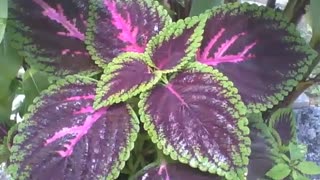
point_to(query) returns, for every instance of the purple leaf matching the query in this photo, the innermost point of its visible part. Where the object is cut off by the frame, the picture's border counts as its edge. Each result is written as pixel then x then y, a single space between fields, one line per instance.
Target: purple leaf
pixel 174 172
pixel 198 118
pixel 118 26
pixel 126 76
pixel 260 159
pixel 50 34
pixel 283 124
pixel 176 44
pixel 63 137
pixel 258 50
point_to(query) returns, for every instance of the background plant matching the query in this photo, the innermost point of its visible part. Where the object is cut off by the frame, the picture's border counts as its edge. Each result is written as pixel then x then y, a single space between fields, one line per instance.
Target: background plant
pixel 175 77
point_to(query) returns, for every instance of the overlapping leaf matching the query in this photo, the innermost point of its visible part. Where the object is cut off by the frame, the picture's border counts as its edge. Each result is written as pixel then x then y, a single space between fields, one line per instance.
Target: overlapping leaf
pixel 50 34
pixel 198 118
pixel 265 151
pixel 63 137
pixel 283 125
pixel 258 50
pixel 118 26
pixel 127 76
pixel 174 171
pixel 176 44
pixel 260 159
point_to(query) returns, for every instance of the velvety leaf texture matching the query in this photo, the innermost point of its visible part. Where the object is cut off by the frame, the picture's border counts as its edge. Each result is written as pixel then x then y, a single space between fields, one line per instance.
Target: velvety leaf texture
pixel 176 44
pixel 258 50
pixel 260 159
pixel 175 172
pixel 264 147
pixel 199 119
pixel 118 26
pixel 63 137
pixel 50 35
pixel 283 123
pixel 125 77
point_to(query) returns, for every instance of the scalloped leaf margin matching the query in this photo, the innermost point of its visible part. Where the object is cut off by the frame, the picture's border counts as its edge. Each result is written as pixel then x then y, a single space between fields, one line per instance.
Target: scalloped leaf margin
pixel 248 43
pixel 282 124
pixel 176 44
pixel 117 26
pixel 62 132
pixel 50 35
pixel 125 77
pixel 160 133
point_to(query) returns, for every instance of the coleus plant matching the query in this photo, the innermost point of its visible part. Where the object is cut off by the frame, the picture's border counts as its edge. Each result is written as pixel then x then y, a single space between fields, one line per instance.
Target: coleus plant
pixel 190 84
pixel 275 147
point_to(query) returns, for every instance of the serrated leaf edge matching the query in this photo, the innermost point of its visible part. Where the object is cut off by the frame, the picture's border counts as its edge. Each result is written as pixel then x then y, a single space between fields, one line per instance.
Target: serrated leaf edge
pixel 293 77
pixel 18 154
pixel 104 84
pixel 153 6
pixel 204 165
pixel 174 30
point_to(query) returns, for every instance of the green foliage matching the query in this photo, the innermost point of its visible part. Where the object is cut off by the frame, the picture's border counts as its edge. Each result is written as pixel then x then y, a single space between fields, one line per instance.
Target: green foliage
pixel 279 171
pixel 297 151
pixel 3 17
pixel 288 155
pixel 202 5
pixel 32 84
pixel 10 64
pixel 289 158
pixel 294 166
pixel 307 167
pixel 4 151
pixel 314 20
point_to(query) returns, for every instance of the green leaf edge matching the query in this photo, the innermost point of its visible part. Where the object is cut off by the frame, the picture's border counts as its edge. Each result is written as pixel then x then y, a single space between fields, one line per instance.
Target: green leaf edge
pixel 293 77
pixel 304 167
pixel 256 121
pixel 152 5
pixel 275 118
pixel 125 153
pixel 20 42
pixel 18 155
pixel 204 164
pixel 109 74
pixel 174 30
pixel 288 172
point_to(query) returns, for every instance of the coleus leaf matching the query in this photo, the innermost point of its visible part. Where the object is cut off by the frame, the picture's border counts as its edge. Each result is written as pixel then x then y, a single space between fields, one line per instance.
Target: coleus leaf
pixel 63 137
pixel 260 159
pixel 272 150
pixel 126 76
pixel 174 172
pixel 176 44
pixel 198 118
pixel 258 50
pixel 117 26
pixel 258 125
pixel 50 35
pixel 283 125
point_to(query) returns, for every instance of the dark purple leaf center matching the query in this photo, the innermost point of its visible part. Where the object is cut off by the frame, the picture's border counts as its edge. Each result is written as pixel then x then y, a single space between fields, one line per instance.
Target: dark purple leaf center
pixel 176 94
pixel 77 131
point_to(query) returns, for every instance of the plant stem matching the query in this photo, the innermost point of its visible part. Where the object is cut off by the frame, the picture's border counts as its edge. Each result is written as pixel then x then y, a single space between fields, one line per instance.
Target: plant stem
pixel 271 3
pixel 295 9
